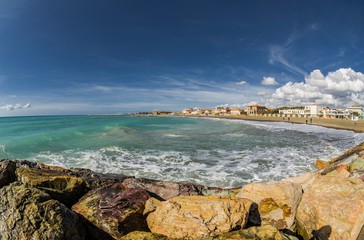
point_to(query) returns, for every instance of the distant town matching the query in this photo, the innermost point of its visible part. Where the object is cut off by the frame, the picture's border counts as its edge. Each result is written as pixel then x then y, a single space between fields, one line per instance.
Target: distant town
pixel 354 112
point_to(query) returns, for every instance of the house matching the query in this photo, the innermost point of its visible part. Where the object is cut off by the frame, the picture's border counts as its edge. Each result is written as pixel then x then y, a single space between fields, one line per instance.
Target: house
pixel 236 111
pixel 337 113
pixel 290 112
pixel 187 111
pixel 312 110
pixel 256 109
pixel 356 108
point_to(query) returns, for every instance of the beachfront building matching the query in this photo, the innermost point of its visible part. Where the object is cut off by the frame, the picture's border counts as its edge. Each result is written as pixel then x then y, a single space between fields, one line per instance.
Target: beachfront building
pixel 256 109
pixel 237 111
pixel 337 113
pixel 187 111
pixel 292 112
pixel 356 108
pixel 312 110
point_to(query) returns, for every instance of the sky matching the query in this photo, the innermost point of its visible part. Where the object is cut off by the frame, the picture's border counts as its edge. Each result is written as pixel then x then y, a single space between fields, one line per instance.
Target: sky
pixel 123 56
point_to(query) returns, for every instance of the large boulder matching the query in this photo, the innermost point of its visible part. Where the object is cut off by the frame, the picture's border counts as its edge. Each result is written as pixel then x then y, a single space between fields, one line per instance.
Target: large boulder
pixel 96 180
pixel 196 216
pixel 7 172
pixel 139 235
pixel 253 233
pixel 114 209
pixel 277 201
pixel 28 213
pixel 62 187
pixel 164 190
pixel 332 206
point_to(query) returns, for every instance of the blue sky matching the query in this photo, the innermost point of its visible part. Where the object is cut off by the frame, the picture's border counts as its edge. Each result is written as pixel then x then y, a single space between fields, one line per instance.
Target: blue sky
pixel 85 57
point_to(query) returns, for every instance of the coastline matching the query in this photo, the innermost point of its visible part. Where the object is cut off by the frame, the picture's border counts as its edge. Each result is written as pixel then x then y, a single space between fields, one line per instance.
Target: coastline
pixel 340 124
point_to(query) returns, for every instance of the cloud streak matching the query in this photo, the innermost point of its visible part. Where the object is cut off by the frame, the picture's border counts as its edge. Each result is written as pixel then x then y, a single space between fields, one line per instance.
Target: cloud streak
pixel 12 107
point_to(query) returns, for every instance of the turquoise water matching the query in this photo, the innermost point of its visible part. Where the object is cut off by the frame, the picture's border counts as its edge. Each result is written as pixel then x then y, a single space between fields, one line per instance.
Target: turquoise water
pixel 215 152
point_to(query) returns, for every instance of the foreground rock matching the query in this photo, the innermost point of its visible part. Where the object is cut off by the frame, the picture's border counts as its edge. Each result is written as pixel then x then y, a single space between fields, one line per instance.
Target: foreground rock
pixel 266 232
pixel 62 187
pixel 114 209
pixel 196 216
pixel 7 172
pixel 277 201
pixel 333 207
pixel 28 213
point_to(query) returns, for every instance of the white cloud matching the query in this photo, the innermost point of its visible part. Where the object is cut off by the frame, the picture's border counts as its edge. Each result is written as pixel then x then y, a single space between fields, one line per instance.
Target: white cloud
pixel 11 107
pixel 269 81
pixel 242 83
pixel 339 88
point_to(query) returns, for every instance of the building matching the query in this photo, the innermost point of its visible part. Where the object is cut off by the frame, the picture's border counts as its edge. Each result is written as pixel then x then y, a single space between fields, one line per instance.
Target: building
pixel 299 112
pixel 187 111
pixel 256 109
pixel 236 111
pixel 356 108
pixel 337 113
pixel 312 110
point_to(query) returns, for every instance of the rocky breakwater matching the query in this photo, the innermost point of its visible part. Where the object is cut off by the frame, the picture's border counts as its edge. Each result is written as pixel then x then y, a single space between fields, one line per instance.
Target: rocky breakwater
pixel 38 201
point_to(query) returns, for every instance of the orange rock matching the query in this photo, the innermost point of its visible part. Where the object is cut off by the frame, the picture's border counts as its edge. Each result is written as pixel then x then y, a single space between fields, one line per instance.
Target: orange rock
pixel 321 164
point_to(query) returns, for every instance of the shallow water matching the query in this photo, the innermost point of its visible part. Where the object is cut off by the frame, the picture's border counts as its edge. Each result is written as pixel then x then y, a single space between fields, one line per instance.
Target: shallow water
pixel 215 152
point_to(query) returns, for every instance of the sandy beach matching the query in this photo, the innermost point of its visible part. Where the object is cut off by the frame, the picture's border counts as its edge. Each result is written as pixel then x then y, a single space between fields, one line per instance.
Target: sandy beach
pixel 356 126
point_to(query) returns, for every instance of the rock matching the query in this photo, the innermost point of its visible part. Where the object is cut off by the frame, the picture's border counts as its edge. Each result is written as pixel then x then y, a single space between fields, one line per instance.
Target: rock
pixel 196 216
pixel 64 188
pixel 305 179
pixel 53 168
pixel 7 172
pixel 28 213
pixel 357 165
pixel 264 232
pixel 332 203
pixel 164 190
pixel 138 235
pixel 96 180
pixel 277 201
pixel 114 209
pixel 321 164
pixel 341 171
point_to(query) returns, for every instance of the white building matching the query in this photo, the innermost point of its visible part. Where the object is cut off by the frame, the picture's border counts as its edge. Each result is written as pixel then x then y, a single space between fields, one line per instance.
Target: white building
pixel 337 113
pixel 356 108
pixel 292 111
pixel 312 110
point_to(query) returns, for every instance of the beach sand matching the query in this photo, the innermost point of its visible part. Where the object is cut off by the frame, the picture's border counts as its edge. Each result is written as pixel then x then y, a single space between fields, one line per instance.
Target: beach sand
pixel 356 126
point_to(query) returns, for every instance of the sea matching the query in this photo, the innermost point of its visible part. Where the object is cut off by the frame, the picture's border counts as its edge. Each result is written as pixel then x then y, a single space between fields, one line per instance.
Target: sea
pixel 213 152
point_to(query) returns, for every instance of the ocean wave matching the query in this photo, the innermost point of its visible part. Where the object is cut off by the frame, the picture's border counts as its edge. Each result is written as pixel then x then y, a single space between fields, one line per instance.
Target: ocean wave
pixel 217 167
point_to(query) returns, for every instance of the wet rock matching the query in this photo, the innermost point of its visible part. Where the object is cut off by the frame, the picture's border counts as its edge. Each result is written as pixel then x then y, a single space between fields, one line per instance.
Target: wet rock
pixel 62 187
pixel 25 164
pixel 114 209
pixel 196 216
pixel 53 168
pixel 96 180
pixel 28 213
pixel 277 201
pixel 334 202
pixel 7 172
pixel 163 190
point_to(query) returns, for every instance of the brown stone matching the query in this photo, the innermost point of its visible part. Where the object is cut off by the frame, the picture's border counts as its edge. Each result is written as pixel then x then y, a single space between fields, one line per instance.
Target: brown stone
pixel 321 164
pixel 332 204
pixel 62 187
pixel 277 201
pixel 114 209
pixel 164 190
pixel 7 172
pixel 196 216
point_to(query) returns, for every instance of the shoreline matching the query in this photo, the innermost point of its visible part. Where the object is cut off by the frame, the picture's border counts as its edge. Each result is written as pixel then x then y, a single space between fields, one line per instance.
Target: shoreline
pixel 339 124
